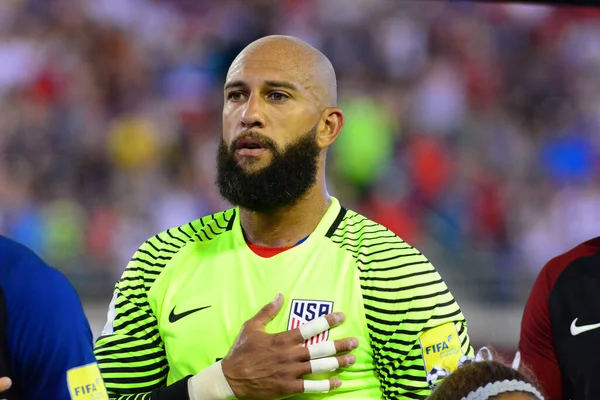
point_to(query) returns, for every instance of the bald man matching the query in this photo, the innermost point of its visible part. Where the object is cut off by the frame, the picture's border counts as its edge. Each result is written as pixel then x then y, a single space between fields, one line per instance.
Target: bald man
pixel 288 294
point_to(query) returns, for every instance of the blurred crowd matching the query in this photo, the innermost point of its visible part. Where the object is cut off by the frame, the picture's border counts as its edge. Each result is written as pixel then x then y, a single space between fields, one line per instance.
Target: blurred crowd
pixel 472 130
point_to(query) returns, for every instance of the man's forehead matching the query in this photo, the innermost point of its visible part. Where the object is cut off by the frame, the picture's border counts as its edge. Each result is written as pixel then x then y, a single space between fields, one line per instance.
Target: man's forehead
pixel 261 70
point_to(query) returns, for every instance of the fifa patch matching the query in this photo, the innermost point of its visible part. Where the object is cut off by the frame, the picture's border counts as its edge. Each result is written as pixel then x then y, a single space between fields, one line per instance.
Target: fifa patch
pixel 303 311
pixel 85 383
pixel 441 348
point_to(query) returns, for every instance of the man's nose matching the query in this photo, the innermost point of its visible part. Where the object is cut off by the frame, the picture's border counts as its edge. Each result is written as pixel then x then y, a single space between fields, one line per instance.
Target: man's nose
pixel 252 115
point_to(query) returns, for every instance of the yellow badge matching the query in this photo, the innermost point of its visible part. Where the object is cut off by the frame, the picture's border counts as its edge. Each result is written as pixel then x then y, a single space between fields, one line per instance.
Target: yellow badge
pixel 85 383
pixel 441 347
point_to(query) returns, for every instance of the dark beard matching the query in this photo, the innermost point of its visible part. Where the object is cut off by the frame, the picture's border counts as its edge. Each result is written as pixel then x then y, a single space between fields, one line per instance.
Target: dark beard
pixel 278 185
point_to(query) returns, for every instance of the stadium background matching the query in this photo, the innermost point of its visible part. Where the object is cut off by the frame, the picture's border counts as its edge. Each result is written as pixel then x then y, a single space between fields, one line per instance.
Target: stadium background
pixel 472 130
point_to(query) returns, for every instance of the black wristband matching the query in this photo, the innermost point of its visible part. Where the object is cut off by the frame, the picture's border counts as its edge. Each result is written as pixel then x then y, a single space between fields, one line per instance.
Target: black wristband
pixel 176 391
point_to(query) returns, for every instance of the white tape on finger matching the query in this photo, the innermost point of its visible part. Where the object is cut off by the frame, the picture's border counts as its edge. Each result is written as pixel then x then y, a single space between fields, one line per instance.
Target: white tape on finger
pixel 314 327
pixel 324 365
pixel 323 349
pixel 316 386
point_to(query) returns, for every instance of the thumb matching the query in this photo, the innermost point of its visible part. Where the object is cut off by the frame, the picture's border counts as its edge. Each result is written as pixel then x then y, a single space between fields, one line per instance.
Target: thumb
pixel 268 312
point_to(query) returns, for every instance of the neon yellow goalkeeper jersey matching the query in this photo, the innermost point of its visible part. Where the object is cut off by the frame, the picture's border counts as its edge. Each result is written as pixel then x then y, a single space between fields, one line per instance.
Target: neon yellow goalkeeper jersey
pixel 186 293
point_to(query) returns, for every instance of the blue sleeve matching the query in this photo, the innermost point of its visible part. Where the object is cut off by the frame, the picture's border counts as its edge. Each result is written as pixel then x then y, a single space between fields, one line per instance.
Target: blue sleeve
pixel 48 333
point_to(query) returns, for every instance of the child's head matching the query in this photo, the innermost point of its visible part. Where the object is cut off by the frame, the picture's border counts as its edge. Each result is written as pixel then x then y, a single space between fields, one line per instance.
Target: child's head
pixel 486 379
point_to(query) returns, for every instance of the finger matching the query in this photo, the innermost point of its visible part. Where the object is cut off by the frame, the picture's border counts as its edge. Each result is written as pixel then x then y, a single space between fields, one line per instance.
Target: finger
pixel 268 312
pixel 330 347
pixel 325 364
pixel 5 384
pixel 312 328
pixel 322 386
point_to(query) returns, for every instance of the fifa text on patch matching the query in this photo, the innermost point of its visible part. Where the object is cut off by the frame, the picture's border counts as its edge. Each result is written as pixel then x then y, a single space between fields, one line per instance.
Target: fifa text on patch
pixel 441 347
pixel 303 311
pixel 85 383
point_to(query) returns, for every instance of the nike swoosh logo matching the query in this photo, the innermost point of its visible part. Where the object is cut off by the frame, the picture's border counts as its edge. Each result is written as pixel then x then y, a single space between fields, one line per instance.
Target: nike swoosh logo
pixel 176 317
pixel 577 330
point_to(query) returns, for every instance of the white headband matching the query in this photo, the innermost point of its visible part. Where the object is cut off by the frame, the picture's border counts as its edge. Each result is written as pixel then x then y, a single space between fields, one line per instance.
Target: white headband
pixel 493 388
pixel 505 386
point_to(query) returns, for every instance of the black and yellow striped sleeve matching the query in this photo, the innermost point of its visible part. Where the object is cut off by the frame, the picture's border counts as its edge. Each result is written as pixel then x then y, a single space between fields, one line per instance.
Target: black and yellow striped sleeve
pixel 404 297
pixel 130 352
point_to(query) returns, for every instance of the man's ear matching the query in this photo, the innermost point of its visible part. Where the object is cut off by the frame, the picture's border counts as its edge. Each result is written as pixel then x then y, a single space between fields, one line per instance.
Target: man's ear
pixel 330 127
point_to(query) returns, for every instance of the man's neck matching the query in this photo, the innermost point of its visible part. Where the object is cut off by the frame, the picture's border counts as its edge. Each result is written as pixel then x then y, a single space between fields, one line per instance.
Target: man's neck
pixel 288 226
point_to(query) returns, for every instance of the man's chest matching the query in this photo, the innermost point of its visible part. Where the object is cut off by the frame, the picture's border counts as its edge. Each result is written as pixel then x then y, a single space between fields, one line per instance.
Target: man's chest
pixel 204 306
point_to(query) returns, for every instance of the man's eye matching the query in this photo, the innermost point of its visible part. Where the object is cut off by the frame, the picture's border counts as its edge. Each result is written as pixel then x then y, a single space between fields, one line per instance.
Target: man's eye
pixel 235 96
pixel 278 96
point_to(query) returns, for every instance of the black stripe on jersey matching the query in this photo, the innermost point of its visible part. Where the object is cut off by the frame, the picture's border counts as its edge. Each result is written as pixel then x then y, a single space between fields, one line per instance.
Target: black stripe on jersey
pixel 389 394
pixel 154 257
pixel 145 271
pixel 231 221
pixel 211 231
pixel 410 310
pixel 413 367
pixel 388 249
pixel 362 233
pixel 382 343
pixel 148 263
pixel 382 260
pixel 400 387
pixel 408 299
pixel 357 222
pixel 147 281
pixel 144 357
pixel 399 289
pixel 139 368
pixel 182 231
pixel 387 334
pixel 121 341
pixel 160 375
pixel 136 296
pixel 156 248
pixel 360 245
pixel 219 225
pixel 206 237
pixel 336 222
pixel 396 267
pixel 371 225
pixel 140 318
pixel 386 359
pixel 165 242
pixel 133 287
pixel 183 242
pixel 398 277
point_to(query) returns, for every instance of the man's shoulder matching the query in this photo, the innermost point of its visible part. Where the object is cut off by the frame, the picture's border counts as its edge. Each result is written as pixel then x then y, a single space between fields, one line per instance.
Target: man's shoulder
pixel 355 232
pixel 559 264
pixel 206 228
pixel 378 252
pixel 19 262
pixel 155 253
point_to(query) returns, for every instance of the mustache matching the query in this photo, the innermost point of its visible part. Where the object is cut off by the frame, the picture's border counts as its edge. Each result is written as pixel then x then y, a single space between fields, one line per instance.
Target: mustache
pixel 267 142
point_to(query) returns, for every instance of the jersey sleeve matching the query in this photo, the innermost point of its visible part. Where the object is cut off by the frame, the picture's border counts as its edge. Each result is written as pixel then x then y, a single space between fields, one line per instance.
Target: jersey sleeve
pixel 49 338
pixel 130 351
pixel 536 341
pixel 414 322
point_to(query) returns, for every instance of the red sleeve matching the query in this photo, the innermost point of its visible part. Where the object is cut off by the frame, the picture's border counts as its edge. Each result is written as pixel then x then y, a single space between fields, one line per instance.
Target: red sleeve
pixel 536 343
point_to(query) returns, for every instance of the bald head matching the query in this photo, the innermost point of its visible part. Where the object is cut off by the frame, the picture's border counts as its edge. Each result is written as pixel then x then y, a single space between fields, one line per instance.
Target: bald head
pixel 305 64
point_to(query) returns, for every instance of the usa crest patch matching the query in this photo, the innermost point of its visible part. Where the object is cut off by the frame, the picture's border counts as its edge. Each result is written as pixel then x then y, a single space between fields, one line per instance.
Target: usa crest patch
pixel 303 311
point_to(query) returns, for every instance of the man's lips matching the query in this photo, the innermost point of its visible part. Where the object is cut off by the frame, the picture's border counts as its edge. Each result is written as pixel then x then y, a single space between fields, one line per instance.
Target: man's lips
pixel 249 147
pixel 246 152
